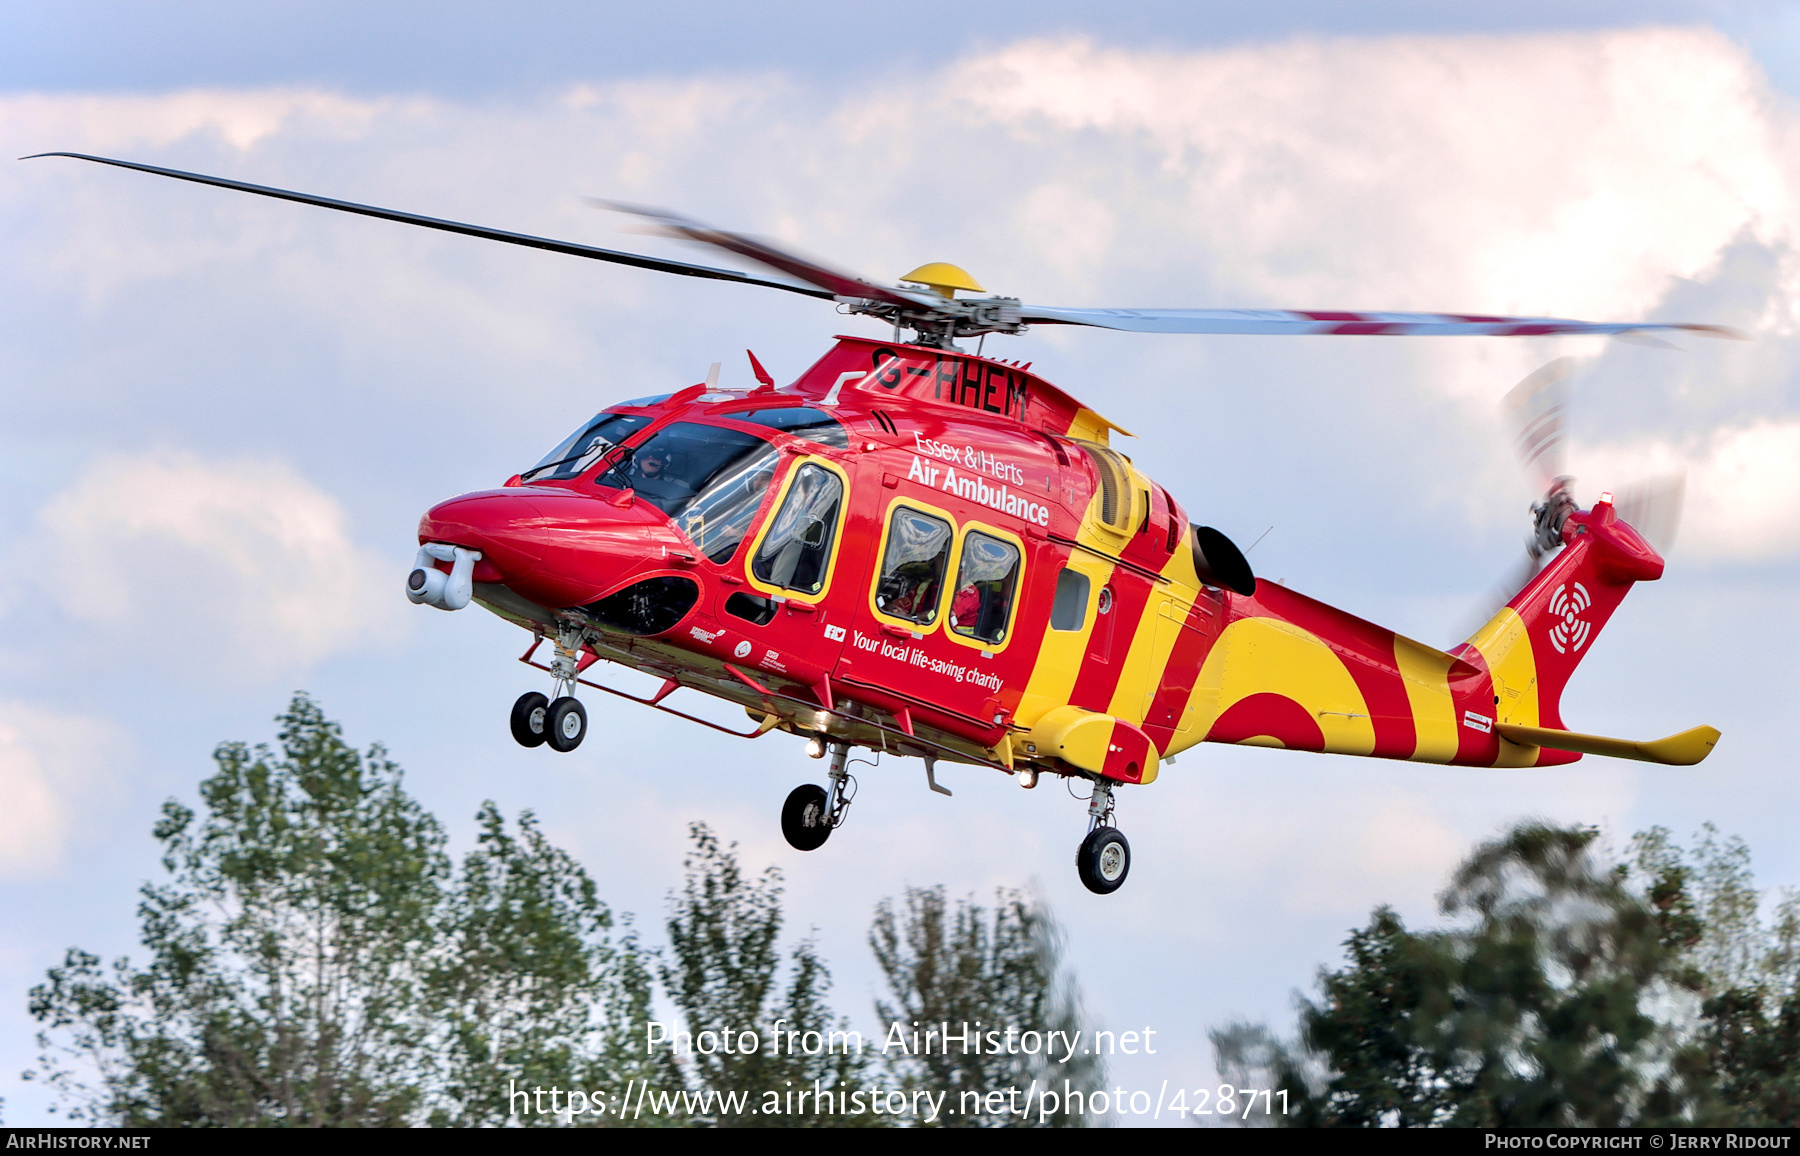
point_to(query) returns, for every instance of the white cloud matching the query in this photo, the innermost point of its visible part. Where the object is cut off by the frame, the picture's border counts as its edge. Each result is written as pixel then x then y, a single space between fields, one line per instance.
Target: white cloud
pixel 1746 492
pixel 1742 483
pixel 242 565
pixel 1594 174
pixel 238 117
pixel 1582 174
pixel 53 768
pixel 1508 174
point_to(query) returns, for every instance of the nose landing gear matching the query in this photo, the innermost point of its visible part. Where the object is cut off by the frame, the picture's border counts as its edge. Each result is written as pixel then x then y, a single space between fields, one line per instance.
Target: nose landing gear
pixel 562 722
pixel 1104 858
pixel 810 813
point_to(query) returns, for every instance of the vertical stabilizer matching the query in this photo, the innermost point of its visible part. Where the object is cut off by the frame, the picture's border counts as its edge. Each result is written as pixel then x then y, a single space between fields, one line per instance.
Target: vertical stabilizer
pixel 1534 643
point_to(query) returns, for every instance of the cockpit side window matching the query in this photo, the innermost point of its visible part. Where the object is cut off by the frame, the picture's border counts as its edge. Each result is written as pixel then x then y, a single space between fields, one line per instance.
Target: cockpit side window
pixel 795 553
pixel 720 515
pixel 802 421
pixel 582 448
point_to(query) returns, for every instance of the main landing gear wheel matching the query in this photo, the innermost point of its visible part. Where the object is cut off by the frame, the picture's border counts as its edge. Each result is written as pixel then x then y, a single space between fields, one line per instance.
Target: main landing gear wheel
pixel 1103 861
pixel 565 724
pixel 806 817
pixel 531 719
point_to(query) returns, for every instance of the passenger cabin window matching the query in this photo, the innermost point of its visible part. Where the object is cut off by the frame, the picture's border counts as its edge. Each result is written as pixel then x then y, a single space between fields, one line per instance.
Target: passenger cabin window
pixel 796 552
pixel 1069 611
pixel 912 568
pixel 583 448
pixel 802 421
pixel 982 604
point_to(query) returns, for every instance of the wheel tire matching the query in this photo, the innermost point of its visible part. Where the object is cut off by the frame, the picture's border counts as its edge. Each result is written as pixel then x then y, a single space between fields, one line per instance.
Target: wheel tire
pixel 530 719
pixel 1103 861
pixel 806 817
pixel 566 724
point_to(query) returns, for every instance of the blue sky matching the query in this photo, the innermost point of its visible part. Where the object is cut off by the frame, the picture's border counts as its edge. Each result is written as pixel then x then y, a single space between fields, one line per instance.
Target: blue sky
pixel 221 417
pixel 474 49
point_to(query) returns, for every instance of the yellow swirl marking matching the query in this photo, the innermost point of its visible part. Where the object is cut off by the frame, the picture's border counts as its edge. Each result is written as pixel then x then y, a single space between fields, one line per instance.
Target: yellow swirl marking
pixel 1258 655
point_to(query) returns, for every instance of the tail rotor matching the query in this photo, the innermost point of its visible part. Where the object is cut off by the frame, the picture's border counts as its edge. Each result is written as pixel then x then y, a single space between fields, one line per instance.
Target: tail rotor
pixel 1536 410
pixel 1536 415
pixel 1653 508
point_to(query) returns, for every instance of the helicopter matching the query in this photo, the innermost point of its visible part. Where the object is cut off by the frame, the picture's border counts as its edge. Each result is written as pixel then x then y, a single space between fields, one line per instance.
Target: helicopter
pixel 927 552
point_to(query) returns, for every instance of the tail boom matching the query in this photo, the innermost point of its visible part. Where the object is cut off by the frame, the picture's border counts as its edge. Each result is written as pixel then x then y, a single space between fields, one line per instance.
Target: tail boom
pixel 1289 671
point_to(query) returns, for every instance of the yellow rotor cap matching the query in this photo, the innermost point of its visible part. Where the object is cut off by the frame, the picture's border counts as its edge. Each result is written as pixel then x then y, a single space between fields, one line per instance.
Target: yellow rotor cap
pixel 944 279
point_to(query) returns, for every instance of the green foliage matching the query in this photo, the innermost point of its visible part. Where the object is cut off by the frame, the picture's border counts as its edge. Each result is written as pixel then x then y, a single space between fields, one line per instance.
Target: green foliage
pixel 723 934
pixel 990 971
pixel 1755 1051
pixel 1750 1028
pixel 313 960
pixel 1650 993
pixel 1535 1012
pixel 1710 894
pixel 528 990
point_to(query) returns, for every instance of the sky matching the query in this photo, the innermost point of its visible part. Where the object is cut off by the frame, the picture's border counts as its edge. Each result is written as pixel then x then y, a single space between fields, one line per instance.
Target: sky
pixel 220 416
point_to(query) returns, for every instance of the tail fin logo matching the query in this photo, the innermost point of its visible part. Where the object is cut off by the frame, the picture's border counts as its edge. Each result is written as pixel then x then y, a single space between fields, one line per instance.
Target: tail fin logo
pixel 1566 608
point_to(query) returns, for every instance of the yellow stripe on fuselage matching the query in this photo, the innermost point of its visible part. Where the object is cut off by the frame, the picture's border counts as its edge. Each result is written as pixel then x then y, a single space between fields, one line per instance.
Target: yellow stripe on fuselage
pixel 1151 643
pixel 1425 672
pixel 1063 651
pixel 1060 657
pixel 1507 651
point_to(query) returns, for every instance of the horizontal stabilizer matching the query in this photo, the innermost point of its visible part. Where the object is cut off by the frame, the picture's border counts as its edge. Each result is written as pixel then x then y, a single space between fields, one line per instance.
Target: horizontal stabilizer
pixel 1682 750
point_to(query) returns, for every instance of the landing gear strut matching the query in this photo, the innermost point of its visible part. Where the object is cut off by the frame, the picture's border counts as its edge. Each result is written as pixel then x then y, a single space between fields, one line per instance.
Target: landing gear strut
pixel 811 813
pixel 1105 857
pixel 558 719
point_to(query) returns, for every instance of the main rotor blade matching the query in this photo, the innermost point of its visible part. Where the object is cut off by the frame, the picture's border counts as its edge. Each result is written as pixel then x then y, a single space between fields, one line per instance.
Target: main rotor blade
pixel 806 269
pixel 637 260
pixel 1285 321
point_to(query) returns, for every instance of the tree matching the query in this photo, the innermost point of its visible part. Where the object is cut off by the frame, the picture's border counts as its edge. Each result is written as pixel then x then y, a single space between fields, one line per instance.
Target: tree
pixel 724 929
pixel 1710 893
pixel 528 990
pixel 313 961
pixel 964 970
pixel 1748 971
pixel 1536 1011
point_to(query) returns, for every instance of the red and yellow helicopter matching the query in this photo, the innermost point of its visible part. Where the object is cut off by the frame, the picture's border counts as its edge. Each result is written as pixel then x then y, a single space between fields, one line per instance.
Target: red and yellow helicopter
pixel 927 552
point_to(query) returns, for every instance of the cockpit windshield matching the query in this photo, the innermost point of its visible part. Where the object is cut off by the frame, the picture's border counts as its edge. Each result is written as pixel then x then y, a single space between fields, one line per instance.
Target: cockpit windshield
pixel 583 447
pixel 709 480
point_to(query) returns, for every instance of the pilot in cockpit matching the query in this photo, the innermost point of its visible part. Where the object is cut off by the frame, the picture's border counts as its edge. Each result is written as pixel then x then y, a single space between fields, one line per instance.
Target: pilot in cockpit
pixel 652 474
